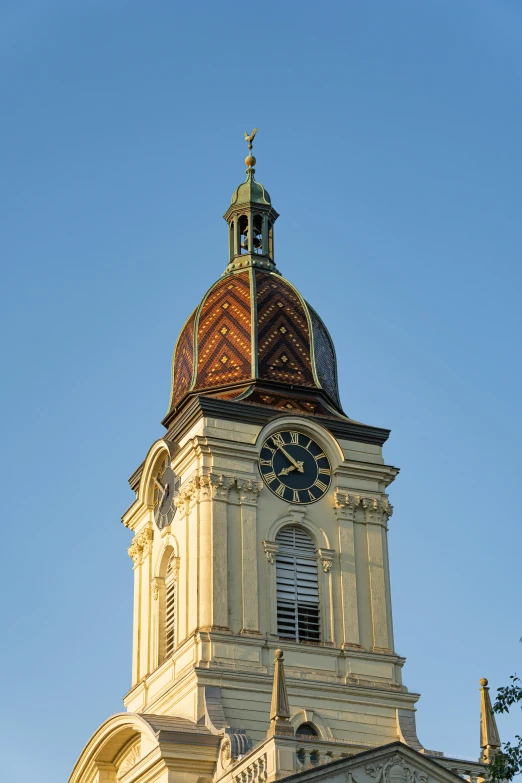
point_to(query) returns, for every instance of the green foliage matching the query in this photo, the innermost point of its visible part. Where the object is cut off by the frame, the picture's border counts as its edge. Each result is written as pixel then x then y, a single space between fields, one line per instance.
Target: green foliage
pixel 508 761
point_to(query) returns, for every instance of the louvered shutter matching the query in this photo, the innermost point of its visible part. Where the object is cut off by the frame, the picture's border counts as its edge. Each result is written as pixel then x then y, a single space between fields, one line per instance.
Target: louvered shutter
pixel 170 608
pixel 297 586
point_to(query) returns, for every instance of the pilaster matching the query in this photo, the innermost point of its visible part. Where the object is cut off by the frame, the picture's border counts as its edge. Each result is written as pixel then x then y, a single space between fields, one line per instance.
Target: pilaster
pixel 214 490
pixel 376 514
pixel 140 551
pixel 248 492
pixel 345 507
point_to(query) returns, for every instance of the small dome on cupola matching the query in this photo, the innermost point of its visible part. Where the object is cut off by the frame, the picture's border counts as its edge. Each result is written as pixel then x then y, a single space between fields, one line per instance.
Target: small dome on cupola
pixel 253 338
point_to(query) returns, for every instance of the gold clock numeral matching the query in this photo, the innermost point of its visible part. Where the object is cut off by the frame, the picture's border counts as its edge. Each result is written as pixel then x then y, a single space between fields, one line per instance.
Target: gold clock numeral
pixel 270 448
pixel 265 462
pixel 319 456
pixel 277 439
pixel 294 438
pixel 324 471
pixel 296 496
pixel 312 497
pixel 270 476
pixel 280 490
pixel 308 444
pixel 320 485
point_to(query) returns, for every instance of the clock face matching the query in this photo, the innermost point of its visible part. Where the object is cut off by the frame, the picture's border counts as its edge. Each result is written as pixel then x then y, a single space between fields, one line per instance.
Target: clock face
pixel 166 488
pixel 294 467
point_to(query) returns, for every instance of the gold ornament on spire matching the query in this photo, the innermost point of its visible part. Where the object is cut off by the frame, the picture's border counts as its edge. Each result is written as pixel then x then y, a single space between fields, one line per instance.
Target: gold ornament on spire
pixel 250 160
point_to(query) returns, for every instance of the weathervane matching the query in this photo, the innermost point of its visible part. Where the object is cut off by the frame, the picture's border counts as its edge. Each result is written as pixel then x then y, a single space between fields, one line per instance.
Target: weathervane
pixel 250 160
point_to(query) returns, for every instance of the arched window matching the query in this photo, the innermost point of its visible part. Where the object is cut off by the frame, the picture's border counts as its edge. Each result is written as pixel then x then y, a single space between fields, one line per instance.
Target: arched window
pixel 170 607
pixel 297 586
pixel 306 730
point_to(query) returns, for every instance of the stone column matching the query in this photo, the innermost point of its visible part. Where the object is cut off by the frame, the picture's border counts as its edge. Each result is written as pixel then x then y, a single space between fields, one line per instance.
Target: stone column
pixel 376 513
pixel 345 507
pixel 214 491
pixel 325 562
pixel 271 549
pixel 157 587
pixel 141 551
pixel 248 492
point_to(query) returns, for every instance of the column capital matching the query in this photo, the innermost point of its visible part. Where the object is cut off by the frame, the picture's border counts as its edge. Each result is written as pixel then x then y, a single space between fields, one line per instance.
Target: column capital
pixel 346 504
pixel 248 490
pixel 141 546
pixel 215 486
pixel 377 511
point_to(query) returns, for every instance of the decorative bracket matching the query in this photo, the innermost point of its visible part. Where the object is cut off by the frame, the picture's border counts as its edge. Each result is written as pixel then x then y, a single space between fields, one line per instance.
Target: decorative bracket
pixel 271 550
pixel 326 558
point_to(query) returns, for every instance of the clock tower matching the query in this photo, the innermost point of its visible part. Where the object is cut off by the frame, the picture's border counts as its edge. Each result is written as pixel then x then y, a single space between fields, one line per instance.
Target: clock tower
pixel 260 524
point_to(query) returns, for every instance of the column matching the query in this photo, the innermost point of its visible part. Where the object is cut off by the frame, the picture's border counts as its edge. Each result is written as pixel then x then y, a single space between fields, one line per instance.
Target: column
pixel 141 552
pixel 248 492
pixel 158 601
pixel 325 562
pixel 376 513
pixel 214 492
pixel 345 507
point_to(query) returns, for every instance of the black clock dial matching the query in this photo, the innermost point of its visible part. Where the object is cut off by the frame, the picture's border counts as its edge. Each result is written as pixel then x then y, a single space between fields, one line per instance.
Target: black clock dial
pixel 294 467
pixel 166 488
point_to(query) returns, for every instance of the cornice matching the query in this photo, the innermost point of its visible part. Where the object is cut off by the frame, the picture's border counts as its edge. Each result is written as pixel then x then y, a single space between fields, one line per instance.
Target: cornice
pixel 200 405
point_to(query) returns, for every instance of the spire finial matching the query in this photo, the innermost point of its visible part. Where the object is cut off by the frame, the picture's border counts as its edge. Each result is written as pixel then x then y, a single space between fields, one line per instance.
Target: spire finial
pixel 279 708
pixel 489 737
pixel 250 160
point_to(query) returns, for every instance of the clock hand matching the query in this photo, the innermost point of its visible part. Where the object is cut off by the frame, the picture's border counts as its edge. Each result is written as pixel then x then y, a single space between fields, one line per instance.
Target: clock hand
pixel 298 465
pixel 287 470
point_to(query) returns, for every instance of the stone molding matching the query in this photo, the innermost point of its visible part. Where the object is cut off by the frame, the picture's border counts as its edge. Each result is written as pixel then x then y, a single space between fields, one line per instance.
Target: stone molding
pixel 141 546
pixel 156 585
pixel 376 511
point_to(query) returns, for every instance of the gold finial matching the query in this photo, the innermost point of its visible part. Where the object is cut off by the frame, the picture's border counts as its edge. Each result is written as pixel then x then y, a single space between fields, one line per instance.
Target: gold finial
pixel 483 682
pixel 250 160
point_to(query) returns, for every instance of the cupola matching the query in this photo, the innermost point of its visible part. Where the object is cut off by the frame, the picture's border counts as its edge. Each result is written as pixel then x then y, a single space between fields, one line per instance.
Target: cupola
pixel 253 338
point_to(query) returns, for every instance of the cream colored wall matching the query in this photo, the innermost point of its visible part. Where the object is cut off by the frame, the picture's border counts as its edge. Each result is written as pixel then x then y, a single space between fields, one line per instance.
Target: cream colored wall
pixel 223 534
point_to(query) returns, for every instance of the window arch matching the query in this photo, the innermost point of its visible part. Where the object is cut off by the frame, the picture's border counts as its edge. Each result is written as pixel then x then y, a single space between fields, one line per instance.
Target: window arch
pixel 297 586
pixel 306 730
pixel 169 628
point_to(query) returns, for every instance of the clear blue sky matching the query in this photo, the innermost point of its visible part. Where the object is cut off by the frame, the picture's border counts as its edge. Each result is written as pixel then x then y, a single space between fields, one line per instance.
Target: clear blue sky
pixel 390 143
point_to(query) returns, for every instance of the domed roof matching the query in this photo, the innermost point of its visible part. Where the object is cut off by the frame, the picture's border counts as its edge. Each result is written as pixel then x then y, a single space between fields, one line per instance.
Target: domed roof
pixel 253 338
pixel 250 192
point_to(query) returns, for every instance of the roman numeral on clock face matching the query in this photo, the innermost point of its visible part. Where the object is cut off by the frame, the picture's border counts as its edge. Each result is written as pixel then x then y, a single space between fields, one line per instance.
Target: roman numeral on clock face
pixel 268 462
pixel 320 485
pixel 270 476
pixel 294 438
pixel 322 471
pixel 280 490
pixel 277 439
pixel 319 456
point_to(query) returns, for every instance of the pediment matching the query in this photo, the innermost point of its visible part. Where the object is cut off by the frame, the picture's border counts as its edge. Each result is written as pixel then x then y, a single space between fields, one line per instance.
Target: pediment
pixel 394 763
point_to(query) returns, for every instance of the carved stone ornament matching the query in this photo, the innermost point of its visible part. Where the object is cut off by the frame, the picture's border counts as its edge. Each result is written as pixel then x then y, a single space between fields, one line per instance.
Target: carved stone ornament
pixel 326 558
pixel 396 770
pixel 156 585
pixel 141 546
pixel 271 548
pixel 376 510
pixel 215 486
pixel 248 490
pixel 129 760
